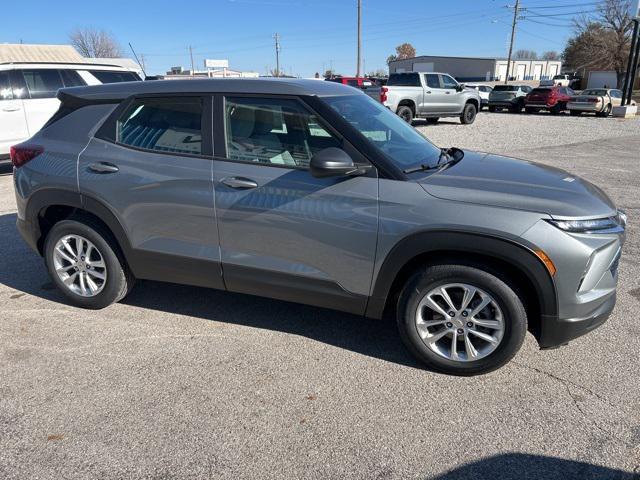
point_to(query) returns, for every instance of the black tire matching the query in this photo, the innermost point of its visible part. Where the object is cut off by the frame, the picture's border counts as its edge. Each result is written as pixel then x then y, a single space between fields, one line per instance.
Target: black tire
pixel 513 314
pixel 119 280
pixel 556 109
pixel 606 112
pixel 517 108
pixel 492 109
pixel 405 112
pixel 432 120
pixel 468 115
pixel 531 110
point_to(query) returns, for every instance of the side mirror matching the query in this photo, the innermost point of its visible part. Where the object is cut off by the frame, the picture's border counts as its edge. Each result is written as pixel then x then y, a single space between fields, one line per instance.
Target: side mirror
pixel 460 87
pixel 333 162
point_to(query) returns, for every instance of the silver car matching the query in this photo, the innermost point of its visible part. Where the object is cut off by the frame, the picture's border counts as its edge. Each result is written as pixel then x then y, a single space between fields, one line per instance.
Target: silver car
pixel 312 192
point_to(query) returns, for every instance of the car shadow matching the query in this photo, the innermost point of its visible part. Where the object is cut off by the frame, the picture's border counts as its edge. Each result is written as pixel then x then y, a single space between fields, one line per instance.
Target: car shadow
pixel 519 466
pixel 23 270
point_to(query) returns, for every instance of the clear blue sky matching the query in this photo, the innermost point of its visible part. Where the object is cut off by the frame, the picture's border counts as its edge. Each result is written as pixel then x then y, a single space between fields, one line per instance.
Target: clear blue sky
pixel 314 34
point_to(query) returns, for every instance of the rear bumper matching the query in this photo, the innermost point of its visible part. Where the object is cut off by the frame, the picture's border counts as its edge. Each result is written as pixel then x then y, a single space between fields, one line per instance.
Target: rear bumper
pixel 556 332
pixel 503 103
pixel 583 107
pixel 538 105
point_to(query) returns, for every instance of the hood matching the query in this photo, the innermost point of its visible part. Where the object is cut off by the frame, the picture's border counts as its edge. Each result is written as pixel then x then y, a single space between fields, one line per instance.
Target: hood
pixel 519 184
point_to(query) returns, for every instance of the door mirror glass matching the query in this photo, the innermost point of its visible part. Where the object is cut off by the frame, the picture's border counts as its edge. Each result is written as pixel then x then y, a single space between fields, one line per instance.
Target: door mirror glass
pixel 333 162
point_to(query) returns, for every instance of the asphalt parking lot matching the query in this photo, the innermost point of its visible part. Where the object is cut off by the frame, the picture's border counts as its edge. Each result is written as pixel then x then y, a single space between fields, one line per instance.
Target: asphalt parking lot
pixel 181 382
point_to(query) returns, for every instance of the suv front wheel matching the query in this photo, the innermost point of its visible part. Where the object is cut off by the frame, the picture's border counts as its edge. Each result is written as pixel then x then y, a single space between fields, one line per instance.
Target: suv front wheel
pixel 82 262
pixel 461 320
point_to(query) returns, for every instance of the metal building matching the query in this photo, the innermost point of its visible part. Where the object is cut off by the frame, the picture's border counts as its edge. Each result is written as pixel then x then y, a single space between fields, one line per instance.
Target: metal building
pixel 479 69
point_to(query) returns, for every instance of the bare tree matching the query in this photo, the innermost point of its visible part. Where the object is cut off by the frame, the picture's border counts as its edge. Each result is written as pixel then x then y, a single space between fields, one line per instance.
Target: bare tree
pixel 551 55
pixel 525 55
pixel 94 43
pixel 602 41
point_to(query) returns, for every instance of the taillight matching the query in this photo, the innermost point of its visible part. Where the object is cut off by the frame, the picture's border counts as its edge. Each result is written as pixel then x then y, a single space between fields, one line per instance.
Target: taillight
pixel 383 94
pixel 23 153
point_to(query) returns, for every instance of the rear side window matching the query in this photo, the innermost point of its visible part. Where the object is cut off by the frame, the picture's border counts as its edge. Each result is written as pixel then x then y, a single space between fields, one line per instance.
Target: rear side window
pixel 42 83
pixel 106 76
pixel 404 80
pixel 172 125
pixel 71 78
pixel 432 80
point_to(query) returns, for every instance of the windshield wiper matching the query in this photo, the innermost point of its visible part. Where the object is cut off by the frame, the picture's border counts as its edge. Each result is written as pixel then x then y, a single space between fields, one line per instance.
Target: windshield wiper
pixel 447 157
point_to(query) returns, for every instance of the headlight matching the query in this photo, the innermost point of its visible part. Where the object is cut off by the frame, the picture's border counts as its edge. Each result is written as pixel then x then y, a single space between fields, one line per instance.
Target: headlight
pixel 596 225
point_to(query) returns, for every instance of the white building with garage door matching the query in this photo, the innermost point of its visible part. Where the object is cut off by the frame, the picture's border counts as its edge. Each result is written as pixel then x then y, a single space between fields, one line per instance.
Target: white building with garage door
pixel 479 69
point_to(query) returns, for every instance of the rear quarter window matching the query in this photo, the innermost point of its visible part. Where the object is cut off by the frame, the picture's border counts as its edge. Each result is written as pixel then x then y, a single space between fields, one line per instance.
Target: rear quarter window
pixel 106 76
pixel 42 83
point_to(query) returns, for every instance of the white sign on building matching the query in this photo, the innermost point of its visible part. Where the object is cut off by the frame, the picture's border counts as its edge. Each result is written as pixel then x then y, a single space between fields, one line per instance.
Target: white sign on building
pixel 209 63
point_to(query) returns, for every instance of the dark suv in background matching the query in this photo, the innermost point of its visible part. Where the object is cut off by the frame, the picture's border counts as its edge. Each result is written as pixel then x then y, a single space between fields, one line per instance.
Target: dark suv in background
pixel 313 192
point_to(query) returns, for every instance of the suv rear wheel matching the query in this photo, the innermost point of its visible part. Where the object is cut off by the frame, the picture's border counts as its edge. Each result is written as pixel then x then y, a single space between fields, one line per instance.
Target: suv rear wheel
pixel 461 320
pixel 82 261
pixel 468 115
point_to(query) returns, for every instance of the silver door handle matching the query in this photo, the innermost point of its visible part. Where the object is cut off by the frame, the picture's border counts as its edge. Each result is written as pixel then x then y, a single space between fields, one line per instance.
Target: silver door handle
pixel 448 93
pixel 10 109
pixel 429 91
pixel 239 182
pixel 103 167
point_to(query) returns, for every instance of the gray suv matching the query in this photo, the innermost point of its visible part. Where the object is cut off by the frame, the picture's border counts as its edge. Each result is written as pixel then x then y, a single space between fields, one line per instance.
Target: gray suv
pixel 312 192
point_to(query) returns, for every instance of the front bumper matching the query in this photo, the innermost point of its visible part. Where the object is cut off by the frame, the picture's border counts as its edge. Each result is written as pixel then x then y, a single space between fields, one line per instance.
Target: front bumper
pixel 556 332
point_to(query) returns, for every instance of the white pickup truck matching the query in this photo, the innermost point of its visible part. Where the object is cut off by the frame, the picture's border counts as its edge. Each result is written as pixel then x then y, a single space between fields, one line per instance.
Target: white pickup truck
pixel 429 95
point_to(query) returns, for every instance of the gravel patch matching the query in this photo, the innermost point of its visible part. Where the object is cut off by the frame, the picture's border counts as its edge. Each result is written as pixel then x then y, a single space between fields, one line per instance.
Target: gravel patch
pixel 497 132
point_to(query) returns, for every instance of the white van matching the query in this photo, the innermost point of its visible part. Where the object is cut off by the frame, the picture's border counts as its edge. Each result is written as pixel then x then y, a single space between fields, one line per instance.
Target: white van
pixel 28 94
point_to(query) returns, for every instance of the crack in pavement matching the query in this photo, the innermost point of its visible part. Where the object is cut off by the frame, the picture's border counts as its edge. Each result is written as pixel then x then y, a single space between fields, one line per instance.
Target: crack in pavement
pixel 566 384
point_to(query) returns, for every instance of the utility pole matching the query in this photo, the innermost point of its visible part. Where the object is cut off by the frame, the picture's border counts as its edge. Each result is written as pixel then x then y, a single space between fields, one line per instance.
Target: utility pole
pixel 191 55
pixel 516 10
pixel 277 38
pixel 359 37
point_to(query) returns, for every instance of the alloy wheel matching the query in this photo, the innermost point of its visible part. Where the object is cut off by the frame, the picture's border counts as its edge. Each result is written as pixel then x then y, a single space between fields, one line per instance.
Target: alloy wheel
pixel 460 322
pixel 79 265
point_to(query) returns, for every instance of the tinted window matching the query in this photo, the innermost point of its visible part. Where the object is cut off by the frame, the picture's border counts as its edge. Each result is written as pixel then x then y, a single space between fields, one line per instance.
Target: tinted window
pixel 42 83
pixel 71 78
pixel 274 131
pixel 432 80
pixel 114 77
pixel 352 83
pixel 448 82
pixel 404 80
pixel 540 91
pixel 505 88
pixel 6 93
pixel 163 124
pixel 616 93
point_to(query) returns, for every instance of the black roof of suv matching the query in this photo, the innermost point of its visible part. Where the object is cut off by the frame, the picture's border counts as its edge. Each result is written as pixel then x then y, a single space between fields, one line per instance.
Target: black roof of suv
pixel 209 85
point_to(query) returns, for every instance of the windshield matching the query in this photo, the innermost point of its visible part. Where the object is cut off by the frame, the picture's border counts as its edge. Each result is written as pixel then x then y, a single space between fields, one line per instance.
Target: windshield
pixel 594 92
pixel 505 88
pixel 398 140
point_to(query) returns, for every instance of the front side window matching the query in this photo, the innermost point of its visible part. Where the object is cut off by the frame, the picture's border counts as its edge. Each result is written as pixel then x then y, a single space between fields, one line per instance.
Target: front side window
pixel 395 138
pixel 171 125
pixel 42 83
pixel 449 82
pixel 274 131
pixel 432 80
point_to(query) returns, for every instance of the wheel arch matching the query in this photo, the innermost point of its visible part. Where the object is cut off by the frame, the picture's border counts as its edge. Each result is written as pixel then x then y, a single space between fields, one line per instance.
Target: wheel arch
pixel 46 207
pixel 407 103
pixel 474 102
pixel 507 257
